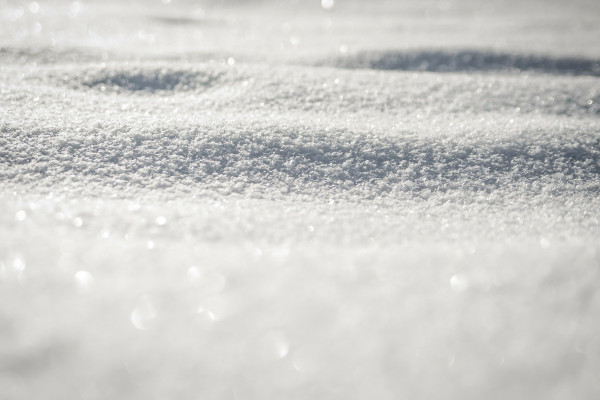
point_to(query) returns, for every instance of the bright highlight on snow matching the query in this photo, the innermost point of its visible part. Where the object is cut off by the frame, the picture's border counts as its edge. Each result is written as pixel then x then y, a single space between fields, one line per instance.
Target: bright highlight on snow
pixel 84 281
pixel 459 283
pixel 327 4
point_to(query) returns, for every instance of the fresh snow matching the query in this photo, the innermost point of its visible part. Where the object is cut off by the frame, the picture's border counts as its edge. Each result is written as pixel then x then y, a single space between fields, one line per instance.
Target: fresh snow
pixel 299 199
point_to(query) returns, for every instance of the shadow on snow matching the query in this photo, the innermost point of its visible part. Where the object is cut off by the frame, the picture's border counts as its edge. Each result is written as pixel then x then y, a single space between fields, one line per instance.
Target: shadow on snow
pixel 469 61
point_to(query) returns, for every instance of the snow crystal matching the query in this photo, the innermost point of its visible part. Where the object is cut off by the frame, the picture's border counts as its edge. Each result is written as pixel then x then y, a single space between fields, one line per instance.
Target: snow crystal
pixel 327 4
pixel 144 315
pixel 84 281
pixel 33 7
pixel 20 215
pixel 459 283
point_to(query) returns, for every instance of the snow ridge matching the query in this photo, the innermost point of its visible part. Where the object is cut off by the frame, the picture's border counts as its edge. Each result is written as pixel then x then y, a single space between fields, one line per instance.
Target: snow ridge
pixel 470 61
pixel 295 156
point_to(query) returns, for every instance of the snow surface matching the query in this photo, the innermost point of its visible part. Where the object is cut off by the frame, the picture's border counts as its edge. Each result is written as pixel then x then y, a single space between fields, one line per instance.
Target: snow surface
pixel 299 199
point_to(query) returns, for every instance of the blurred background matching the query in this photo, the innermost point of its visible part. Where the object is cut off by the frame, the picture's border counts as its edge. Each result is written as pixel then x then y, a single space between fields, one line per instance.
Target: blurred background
pixel 299 31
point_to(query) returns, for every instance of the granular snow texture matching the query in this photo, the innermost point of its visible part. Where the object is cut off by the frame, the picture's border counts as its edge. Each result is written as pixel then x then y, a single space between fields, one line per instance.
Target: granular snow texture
pixel 299 199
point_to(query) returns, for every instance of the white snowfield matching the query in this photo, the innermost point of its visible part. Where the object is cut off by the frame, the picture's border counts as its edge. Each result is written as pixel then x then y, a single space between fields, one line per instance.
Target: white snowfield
pixel 299 199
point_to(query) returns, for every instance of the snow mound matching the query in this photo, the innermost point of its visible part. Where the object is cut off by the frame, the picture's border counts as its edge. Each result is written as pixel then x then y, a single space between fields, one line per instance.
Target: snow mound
pixel 469 61
pixel 237 155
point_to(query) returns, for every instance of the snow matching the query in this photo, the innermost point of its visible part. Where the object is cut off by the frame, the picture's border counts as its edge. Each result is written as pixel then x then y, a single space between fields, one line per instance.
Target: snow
pixel 301 199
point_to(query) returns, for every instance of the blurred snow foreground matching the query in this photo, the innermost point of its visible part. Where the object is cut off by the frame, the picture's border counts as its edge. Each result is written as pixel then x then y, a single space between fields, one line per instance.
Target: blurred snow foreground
pixel 299 199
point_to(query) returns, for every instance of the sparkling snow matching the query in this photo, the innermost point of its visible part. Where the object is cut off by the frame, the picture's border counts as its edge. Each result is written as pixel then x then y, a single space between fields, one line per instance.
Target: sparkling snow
pixel 299 199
